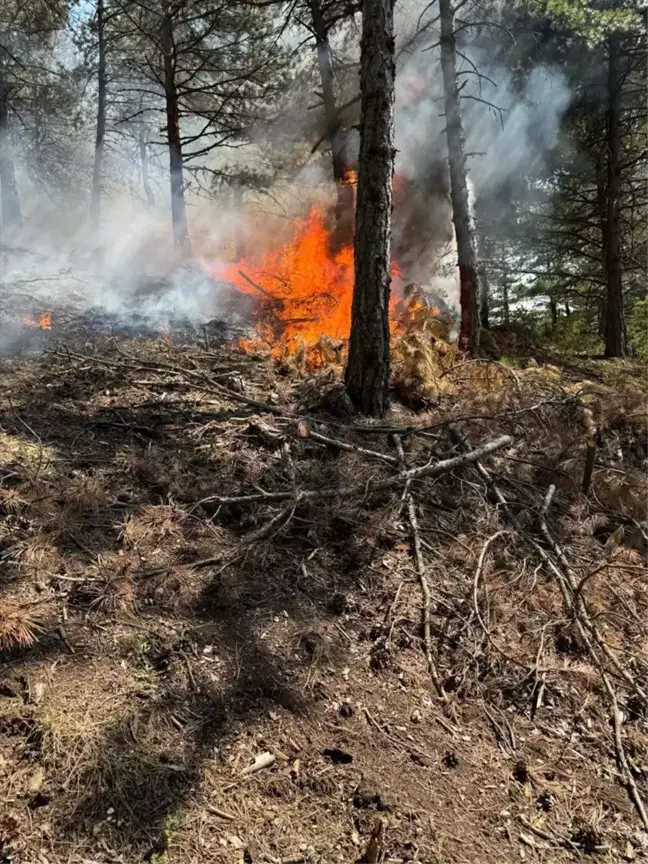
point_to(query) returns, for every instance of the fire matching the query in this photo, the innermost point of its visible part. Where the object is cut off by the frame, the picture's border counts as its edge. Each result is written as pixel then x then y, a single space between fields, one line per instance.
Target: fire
pixel 304 290
pixel 42 322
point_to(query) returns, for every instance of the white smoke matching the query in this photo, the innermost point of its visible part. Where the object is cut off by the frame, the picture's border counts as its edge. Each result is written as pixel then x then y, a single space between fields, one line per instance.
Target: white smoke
pixel 140 272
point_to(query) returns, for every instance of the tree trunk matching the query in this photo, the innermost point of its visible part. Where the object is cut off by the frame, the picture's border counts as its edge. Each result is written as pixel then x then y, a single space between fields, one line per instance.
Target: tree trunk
pixel 505 294
pixel 483 274
pixel 144 165
pixel 367 372
pixel 334 133
pixel 178 206
pixel 10 202
pixel 469 284
pixel 553 311
pixel 614 346
pixel 95 195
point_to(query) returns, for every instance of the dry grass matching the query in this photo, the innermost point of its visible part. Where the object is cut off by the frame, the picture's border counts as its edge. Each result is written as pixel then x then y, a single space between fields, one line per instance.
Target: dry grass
pixel 17 629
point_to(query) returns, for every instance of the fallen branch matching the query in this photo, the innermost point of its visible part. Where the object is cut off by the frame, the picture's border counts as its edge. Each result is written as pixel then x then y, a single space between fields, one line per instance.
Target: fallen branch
pixel 478 572
pixel 420 569
pixel 304 432
pixel 370 486
pixel 565 842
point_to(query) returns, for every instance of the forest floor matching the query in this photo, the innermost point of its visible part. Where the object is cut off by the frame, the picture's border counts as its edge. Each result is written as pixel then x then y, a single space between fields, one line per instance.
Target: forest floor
pixel 449 667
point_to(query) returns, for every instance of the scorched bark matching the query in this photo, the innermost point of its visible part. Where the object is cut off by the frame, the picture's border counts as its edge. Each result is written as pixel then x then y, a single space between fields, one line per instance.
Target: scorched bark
pixel 95 198
pixel 178 206
pixel 367 372
pixel 334 132
pixel 467 259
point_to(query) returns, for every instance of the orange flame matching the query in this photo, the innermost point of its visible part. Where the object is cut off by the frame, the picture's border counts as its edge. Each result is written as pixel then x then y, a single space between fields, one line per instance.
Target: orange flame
pixel 43 322
pixel 304 289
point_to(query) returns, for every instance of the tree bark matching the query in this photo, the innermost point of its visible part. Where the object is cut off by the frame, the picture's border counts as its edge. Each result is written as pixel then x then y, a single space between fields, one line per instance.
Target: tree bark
pixel 144 165
pixel 9 200
pixel 505 293
pixel 367 372
pixel 614 343
pixel 468 279
pixel 95 195
pixel 335 134
pixel 178 205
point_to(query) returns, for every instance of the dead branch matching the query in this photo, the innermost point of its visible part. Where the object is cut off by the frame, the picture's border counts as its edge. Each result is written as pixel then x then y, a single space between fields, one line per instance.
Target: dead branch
pixel 370 486
pixel 420 569
pixel 478 571
pixel 551 838
pixel 304 432
pixel 254 284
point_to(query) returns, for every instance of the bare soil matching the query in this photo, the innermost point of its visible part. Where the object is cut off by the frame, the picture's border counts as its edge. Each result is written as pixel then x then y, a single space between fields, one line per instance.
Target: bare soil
pixel 156 643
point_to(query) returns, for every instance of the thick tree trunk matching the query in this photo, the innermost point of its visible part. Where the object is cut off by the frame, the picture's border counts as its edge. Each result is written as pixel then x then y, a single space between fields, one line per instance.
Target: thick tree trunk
pixel 468 280
pixel 9 200
pixel 614 342
pixel 367 372
pixel 144 164
pixel 95 195
pixel 335 134
pixel 178 205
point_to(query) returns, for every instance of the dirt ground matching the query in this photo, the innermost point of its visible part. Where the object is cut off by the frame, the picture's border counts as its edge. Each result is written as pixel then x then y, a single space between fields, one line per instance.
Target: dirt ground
pixel 189 678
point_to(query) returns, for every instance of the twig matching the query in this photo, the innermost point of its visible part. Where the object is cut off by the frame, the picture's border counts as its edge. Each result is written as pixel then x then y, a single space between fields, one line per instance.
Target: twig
pixel 335 443
pixel 425 588
pixel 551 838
pixel 254 284
pixel 222 814
pixel 478 571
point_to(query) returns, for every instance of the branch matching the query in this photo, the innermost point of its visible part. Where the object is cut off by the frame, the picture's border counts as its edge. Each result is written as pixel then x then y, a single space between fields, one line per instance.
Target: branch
pixel 370 486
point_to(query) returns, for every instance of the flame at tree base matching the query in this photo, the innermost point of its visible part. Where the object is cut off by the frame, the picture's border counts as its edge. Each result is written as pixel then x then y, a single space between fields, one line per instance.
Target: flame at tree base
pixel 302 289
pixel 303 293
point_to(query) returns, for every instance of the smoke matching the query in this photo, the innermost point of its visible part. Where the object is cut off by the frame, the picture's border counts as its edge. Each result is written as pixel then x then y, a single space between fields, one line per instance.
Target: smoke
pixel 508 130
pixel 131 268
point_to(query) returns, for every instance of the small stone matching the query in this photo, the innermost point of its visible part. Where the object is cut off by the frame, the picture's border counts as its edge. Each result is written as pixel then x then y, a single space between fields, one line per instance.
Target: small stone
pixel 416 716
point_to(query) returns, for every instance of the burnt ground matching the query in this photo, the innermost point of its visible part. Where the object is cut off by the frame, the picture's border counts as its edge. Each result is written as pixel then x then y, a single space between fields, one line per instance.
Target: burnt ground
pixel 154 643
